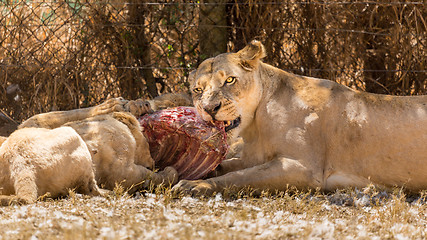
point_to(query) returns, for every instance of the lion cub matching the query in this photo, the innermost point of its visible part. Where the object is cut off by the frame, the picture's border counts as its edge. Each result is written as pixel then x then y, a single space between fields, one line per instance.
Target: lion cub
pixel 37 161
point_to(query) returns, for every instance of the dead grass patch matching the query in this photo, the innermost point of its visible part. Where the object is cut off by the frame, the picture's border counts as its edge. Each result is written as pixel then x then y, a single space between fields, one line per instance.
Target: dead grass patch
pixel 159 214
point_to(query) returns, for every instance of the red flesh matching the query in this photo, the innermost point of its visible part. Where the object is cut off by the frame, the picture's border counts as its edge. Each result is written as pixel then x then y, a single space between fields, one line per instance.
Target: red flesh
pixel 180 138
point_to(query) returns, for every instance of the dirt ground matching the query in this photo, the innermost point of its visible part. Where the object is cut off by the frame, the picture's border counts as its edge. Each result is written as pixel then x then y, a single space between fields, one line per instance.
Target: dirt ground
pixel 351 214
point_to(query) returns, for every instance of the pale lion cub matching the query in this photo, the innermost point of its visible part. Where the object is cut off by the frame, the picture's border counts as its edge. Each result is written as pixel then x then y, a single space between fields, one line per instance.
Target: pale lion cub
pixel 36 161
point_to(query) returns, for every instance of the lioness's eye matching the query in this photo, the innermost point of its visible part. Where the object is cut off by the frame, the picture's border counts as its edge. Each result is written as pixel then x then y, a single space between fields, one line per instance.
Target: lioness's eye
pixel 197 90
pixel 230 80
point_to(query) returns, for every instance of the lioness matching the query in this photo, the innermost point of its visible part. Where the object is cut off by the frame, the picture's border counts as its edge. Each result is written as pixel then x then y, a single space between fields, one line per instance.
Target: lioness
pixel 307 132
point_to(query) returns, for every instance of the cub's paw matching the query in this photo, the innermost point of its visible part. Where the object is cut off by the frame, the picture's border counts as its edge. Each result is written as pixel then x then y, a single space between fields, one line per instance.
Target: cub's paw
pixel 138 107
pixel 195 188
pixel 109 106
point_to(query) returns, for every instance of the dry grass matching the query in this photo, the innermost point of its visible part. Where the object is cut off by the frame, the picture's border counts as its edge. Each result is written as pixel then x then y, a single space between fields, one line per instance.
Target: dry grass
pixel 369 213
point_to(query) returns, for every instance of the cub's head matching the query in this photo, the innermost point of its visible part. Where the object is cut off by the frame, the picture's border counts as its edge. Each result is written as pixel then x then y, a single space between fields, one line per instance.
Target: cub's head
pixel 228 88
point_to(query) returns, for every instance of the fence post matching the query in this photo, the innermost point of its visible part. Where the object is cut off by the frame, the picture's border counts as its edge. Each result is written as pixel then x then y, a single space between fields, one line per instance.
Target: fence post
pixel 213 34
pixel 138 13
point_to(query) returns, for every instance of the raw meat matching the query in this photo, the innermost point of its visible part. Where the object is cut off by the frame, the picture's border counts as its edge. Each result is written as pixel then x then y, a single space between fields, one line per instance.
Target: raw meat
pixel 180 138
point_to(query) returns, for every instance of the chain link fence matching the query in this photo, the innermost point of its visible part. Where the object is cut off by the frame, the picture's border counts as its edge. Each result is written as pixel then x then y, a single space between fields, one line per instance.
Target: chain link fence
pixel 65 54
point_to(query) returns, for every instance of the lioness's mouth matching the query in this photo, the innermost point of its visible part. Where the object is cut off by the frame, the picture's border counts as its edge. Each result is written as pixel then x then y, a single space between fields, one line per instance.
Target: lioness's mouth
pixel 231 124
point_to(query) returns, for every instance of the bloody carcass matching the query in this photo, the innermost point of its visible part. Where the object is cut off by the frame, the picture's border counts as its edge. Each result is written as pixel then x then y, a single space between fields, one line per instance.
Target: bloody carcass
pixel 180 138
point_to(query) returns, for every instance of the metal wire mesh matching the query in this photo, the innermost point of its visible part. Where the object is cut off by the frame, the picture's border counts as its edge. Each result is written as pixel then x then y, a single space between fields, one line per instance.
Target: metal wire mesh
pixel 64 54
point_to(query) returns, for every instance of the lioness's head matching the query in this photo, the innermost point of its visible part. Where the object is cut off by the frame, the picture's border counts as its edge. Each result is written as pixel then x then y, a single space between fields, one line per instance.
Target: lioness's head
pixel 227 87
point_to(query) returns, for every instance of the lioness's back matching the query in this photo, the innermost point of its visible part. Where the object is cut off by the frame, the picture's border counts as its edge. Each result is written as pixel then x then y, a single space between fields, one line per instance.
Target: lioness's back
pixel 381 137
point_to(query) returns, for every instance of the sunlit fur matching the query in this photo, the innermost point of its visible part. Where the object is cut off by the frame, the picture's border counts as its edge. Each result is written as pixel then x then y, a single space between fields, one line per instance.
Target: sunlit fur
pixel 307 132
pixel 109 141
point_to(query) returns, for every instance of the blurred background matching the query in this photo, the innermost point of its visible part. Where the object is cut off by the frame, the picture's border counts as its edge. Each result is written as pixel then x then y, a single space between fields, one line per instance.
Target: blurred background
pixel 65 54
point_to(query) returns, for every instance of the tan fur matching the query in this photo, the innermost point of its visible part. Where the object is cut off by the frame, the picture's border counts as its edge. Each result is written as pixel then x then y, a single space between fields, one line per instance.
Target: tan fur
pixel 2 139
pixel 111 137
pixel 308 132
pixel 140 106
pixel 170 100
pixel 37 161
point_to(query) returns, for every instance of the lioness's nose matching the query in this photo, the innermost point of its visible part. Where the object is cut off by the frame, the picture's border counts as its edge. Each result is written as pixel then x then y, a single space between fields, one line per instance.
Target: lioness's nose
pixel 212 109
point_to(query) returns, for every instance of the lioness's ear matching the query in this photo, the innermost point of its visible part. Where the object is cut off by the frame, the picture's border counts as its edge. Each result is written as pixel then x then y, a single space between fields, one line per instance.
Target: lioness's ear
pixel 192 77
pixel 251 54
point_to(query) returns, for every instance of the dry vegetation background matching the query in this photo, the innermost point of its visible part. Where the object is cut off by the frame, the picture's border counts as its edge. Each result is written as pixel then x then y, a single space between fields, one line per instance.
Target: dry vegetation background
pixel 65 54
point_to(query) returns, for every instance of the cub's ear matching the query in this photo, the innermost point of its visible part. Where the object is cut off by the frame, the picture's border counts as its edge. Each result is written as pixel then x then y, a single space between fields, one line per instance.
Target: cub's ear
pixel 251 54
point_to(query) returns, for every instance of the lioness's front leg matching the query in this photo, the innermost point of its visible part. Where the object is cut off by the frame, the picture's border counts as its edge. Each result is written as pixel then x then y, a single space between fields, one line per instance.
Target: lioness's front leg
pixel 141 106
pixel 56 119
pixel 277 174
pixel 227 166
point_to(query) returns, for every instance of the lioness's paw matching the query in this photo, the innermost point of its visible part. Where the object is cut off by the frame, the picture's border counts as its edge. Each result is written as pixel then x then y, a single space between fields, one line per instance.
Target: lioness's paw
pixel 195 188
pixel 169 175
pixel 138 107
pixel 111 105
